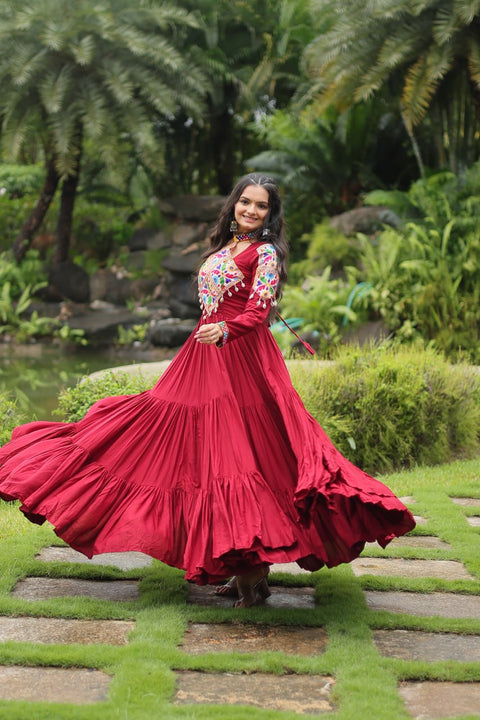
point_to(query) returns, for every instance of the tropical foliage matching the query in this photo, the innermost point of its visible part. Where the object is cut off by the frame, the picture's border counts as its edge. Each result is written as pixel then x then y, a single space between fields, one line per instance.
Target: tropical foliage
pixel 73 72
pixel 426 52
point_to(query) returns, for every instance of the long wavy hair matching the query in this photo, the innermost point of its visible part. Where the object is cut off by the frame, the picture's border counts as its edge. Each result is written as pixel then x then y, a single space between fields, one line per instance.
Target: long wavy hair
pixel 273 226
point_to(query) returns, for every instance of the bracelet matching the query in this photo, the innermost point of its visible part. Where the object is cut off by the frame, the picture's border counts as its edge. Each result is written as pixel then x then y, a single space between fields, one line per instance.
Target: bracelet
pixel 224 328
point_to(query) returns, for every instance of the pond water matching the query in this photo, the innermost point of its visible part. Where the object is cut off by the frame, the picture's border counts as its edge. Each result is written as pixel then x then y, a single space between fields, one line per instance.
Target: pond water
pixel 34 375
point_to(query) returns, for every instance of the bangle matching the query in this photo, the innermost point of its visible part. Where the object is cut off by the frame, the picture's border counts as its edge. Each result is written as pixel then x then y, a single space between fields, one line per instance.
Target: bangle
pixel 224 328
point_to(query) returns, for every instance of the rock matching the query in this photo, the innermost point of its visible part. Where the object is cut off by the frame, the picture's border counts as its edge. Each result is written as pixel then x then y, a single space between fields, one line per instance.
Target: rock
pixel 70 281
pixel 364 220
pixel 107 286
pixel 148 239
pixel 185 234
pixel 184 262
pixel 171 332
pixel 101 328
pixel 203 208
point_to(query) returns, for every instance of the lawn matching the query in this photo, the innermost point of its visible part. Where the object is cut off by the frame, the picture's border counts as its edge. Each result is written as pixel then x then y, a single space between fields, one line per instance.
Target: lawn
pixel 144 670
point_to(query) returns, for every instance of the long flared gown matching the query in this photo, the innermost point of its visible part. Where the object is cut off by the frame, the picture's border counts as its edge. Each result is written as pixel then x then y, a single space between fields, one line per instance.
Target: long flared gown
pixel 218 467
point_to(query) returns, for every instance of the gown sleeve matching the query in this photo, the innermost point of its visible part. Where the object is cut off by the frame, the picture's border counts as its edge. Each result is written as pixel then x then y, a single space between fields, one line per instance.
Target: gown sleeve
pixel 262 296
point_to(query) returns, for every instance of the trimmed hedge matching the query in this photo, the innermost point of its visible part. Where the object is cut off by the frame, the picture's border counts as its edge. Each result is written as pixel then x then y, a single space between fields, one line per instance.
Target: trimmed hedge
pixel 393 408
pixel 385 409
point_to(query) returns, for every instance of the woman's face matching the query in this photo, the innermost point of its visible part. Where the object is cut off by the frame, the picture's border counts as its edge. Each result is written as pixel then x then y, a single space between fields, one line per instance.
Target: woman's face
pixel 251 208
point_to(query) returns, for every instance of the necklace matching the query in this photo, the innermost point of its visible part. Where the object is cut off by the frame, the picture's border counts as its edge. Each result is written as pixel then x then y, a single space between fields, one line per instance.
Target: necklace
pixel 245 237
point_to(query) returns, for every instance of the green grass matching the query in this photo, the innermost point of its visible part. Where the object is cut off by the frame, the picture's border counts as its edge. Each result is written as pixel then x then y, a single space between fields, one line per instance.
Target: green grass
pixel 143 671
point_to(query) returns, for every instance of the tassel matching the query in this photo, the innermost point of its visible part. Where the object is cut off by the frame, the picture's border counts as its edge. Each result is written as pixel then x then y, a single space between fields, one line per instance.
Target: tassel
pixel 305 344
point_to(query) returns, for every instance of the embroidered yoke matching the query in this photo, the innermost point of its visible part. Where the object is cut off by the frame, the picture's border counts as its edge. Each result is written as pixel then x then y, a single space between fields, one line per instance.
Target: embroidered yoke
pixel 221 274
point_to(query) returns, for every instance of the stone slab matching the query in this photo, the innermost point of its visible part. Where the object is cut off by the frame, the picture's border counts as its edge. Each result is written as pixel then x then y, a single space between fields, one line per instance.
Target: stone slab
pixel 395 567
pixel 429 542
pixel 438 700
pixel 36 588
pixel 451 605
pixel 205 638
pixel 295 693
pixel 122 561
pixel 63 632
pixel 420 520
pixel 466 502
pixel 291 568
pixel 427 646
pixel 294 598
pixel 78 686
pixel 474 520
pixel 407 499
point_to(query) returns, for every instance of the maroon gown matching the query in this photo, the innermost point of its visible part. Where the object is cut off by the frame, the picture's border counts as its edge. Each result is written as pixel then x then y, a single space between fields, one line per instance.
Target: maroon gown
pixel 218 467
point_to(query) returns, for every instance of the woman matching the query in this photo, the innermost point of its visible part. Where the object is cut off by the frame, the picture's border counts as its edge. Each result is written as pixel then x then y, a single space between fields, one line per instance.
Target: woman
pixel 219 469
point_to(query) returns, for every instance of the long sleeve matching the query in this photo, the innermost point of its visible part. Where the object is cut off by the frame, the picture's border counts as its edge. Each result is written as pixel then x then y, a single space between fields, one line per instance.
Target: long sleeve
pixel 261 297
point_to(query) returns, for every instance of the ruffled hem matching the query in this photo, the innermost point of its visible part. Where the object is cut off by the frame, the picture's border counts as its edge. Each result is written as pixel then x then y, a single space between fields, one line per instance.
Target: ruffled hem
pixel 231 473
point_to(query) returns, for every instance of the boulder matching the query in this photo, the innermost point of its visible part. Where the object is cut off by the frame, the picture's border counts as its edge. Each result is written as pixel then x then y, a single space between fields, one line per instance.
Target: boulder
pixel 364 220
pixel 101 327
pixel 70 281
pixel 171 332
pixel 201 208
pixel 148 239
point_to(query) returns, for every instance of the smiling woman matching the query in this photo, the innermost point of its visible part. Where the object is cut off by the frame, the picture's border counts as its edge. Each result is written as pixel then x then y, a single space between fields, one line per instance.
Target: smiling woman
pixel 218 469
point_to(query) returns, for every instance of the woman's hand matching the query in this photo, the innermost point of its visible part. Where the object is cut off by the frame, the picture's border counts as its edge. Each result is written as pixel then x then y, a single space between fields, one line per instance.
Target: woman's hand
pixel 209 334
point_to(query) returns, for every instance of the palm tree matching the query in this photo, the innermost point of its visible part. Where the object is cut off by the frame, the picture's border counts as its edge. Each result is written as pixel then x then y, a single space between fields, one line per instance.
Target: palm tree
pixel 92 69
pixel 424 52
pixel 251 53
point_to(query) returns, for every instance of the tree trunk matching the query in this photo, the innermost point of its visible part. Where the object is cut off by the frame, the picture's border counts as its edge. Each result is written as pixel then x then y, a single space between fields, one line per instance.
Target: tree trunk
pixel 63 232
pixel 415 146
pixel 25 236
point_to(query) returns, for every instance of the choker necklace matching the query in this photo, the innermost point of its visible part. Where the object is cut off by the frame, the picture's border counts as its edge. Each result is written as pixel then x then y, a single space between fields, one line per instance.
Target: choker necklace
pixel 250 237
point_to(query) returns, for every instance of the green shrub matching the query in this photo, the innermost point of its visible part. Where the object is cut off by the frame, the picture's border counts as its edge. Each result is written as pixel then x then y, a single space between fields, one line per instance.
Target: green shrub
pixel 327 247
pixel 10 417
pixel 19 180
pixel 392 408
pixel 384 408
pixel 74 402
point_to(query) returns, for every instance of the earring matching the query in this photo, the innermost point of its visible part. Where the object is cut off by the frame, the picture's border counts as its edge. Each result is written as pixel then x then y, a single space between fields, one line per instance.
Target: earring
pixel 265 232
pixel 233 226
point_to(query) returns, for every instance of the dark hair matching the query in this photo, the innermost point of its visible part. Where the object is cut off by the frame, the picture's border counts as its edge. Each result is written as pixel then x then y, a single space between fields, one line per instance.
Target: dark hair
pixel 273 227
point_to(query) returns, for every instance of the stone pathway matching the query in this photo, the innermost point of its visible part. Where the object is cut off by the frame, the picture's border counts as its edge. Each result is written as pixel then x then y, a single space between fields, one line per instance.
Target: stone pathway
pixel 294 692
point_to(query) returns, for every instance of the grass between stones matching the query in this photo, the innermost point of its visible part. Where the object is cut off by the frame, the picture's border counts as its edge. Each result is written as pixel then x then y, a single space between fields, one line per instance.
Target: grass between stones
pixel 143 671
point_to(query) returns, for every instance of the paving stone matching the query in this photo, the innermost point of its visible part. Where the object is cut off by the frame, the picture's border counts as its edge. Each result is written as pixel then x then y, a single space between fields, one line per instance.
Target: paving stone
pixel 205 637
pixel 420 520
pixel 474 520
pixel 407 499
pixel 451 605
pixel 123 561
pixel 466 502
pixel 295 693
pixel 394 567
pixel 416 541
pixel 60 631
pixel 291 568
pixel 281 597
pixel 427 646
pixel 36 588
pixel 438 700
pixel 78 686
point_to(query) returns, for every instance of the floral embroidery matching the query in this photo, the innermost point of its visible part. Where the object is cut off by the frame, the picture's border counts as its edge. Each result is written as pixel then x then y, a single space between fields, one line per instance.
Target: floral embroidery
pixel 266 277
pixel 218 275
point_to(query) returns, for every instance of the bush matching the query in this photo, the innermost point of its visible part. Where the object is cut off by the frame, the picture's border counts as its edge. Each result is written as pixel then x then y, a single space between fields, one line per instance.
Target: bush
pixel 10 417
pixel 384 408
pixel 392 408
pixel 74 402
pixel 327 247
pixel 19 180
